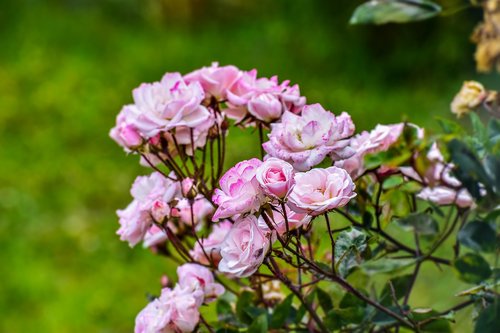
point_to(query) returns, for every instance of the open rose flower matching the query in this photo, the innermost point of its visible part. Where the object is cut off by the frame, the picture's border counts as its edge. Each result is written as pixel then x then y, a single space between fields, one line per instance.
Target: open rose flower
pixel 215 80
pixel 263 98
pixel 175 311
pixel 305 140
pixel 321 190
pixel 442 195
pixel 210 246
pixel 244 248
pixel 125 133
pixel 168 104
pixel 149 193
pixel 200 281
pixel 381 138
pixel 240 191
pixel 275 176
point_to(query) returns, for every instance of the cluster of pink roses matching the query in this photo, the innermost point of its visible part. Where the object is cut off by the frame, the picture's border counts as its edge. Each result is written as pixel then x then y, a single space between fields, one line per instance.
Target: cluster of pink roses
pixel 160 200
pixel 177 309
pixel 258 201
pixel 183 109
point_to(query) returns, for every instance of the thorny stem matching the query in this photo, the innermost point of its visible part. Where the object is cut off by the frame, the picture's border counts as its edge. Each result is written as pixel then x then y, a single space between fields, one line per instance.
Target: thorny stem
pixel 332 241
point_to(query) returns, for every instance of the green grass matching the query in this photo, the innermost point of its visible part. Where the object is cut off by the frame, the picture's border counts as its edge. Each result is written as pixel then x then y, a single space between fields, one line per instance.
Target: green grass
pixel 66 67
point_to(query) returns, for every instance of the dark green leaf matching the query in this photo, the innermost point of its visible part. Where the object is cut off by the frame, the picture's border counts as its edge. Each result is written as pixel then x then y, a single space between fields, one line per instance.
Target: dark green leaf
pixel 382 319
pixel 492 168
pixel 325 301
pixel 400 285
pixel 394 11
pixel 224 310
pixel 422 223
pixel 449 126
pixel 472 268
pixel 478 236
pixel 244 303
pixel 469 169
pixel 478 128
pixel 489 319
pixel 281 313
pixel 259 325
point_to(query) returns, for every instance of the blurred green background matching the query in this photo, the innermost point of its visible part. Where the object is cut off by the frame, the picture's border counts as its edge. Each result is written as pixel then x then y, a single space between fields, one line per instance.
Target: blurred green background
pixel 67 67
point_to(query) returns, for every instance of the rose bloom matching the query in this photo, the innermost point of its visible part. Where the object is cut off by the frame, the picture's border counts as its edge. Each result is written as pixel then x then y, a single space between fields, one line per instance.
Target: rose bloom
pixel 470 96
pixel 201 209
pixel 175 311
pixel 125 133
pixel 321 190
pixel 148 192
pixel 154 236
pixel 168 104
pixel 275 176
pixel 215 80
pixel 441 195
pixel 381 138
pixel 263 98
pixel 211 244
pixel 244 248
pixel 200 281
pixel 239 191
pixel 305 140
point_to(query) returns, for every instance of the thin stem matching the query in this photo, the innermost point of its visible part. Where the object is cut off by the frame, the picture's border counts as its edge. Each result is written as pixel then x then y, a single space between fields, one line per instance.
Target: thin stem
pixel 332 241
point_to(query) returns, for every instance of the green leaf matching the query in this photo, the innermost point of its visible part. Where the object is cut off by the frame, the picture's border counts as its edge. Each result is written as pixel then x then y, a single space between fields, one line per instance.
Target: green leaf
pixel 478 236
pixel 422 223
pixel 224 311
pixel 478 128
pixel 259 325
pixel 469 169
pixel 450 126
pixel 394 11
pixel 488 320
pixel 348 248
pixel 472 268
pixel 386 265
pixel 439 324
pixel 400 285
pixel 281 313
pixel 244 303
pixel 492 168
pixel 382 319
pixel 325 301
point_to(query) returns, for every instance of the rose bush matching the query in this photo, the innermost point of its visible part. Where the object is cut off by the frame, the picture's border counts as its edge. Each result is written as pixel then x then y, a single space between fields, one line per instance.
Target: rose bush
pixel 251 238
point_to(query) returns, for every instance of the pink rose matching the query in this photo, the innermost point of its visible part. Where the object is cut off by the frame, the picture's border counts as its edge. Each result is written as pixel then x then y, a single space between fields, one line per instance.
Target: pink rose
pixel 134 223
pixel 210 246
pixel 168 104
pixel 244 248
pixel 199 134
pixel 200 281
pixel 240 191
pixel 125 133
pixel 446 196
pixel 381 138
pixel 265 107
pixel 275 176
pixel 215 80
pixel 321 190
pixel 175 311
pixel 151 197
pixel 305 140
pixel 154 236
pixel 263 98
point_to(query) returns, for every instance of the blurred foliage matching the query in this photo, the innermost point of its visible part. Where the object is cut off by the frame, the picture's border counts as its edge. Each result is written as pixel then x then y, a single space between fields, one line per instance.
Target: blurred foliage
pixel 67 66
